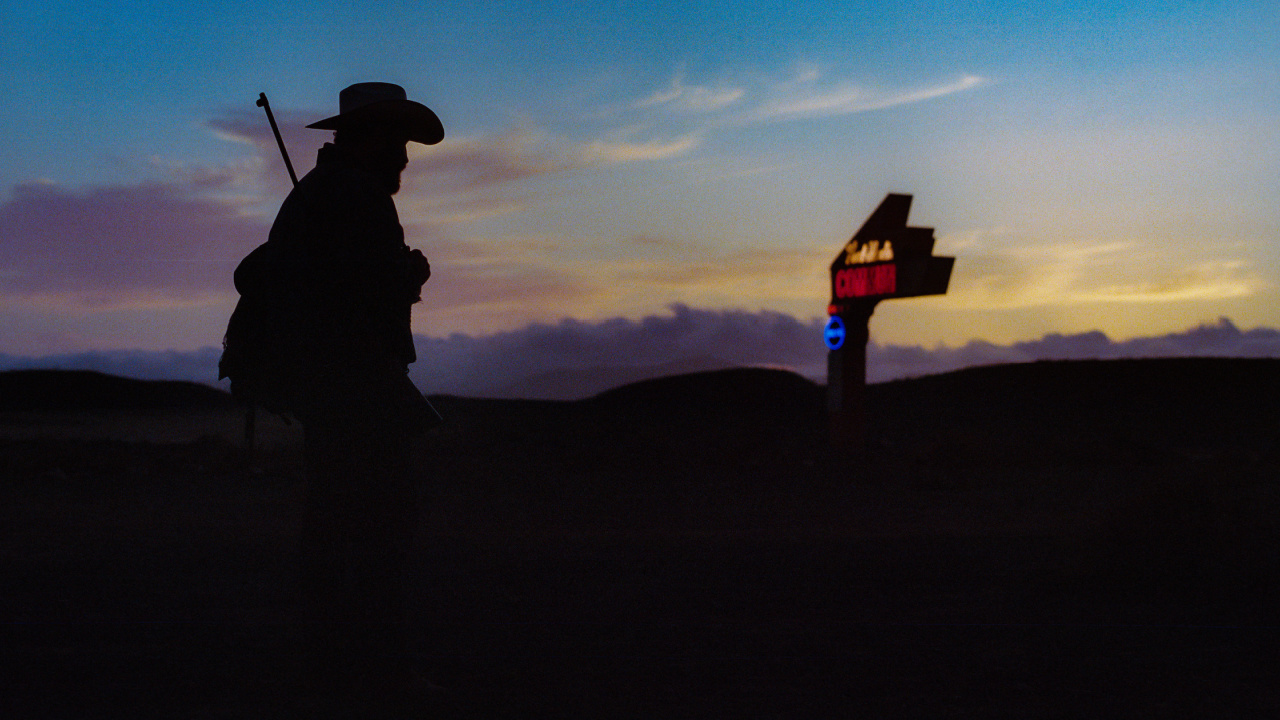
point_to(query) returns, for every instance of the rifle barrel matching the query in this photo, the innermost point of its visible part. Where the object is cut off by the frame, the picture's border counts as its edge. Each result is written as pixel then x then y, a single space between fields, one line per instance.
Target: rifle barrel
pixel 262 103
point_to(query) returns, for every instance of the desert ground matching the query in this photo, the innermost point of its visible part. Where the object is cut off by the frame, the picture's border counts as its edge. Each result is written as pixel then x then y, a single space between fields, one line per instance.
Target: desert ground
pixel 1057 539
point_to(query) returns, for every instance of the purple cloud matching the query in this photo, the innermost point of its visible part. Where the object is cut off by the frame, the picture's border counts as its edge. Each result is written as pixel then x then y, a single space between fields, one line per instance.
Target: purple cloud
pixel 121 245
pixel 179 241
pixel 1221 339
pixel 574 358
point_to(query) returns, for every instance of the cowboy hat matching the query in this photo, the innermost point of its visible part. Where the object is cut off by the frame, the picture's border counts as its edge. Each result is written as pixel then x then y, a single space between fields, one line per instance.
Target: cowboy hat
pixel 385 104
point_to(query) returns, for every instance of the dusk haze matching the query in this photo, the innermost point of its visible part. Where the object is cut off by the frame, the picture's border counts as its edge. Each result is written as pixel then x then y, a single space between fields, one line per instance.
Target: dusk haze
pixel 714 360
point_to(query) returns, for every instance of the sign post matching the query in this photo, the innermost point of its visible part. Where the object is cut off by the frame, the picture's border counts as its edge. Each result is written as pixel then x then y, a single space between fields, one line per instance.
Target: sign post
pixel 884 260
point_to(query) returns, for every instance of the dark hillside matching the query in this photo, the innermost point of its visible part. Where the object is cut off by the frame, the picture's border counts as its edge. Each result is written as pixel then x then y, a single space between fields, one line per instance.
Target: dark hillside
pixel 748 393
pixel 1100 410
pixel 70 390
pixel 1196 394
pixel 1097 538
pixel 712 422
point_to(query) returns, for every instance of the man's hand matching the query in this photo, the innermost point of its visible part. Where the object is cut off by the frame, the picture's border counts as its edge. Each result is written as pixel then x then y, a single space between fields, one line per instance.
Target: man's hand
pixel 419 268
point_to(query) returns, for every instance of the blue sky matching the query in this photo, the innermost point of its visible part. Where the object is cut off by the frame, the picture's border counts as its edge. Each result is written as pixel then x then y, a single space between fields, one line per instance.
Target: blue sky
pixel 1093 166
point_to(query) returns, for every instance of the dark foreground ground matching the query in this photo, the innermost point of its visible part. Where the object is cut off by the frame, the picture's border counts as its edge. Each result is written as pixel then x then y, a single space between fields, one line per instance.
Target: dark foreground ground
pixel 1048 540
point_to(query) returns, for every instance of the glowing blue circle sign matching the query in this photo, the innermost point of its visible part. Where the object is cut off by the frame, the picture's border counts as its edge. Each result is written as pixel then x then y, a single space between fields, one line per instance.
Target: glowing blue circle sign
pixel 833 334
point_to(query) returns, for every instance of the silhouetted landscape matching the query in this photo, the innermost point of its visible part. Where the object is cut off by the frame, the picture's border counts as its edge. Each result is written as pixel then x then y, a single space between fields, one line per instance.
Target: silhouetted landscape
pixel 1051 539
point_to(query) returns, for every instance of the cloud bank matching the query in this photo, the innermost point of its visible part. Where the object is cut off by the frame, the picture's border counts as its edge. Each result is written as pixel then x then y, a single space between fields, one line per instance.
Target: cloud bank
pixel 574 359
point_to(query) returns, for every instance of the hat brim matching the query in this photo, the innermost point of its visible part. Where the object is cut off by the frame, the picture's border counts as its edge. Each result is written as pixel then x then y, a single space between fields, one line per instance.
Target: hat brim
pixel 414 119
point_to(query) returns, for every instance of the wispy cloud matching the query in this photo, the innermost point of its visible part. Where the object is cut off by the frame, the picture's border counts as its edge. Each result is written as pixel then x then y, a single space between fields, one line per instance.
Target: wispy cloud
pixel 470 178
pixel 768 271
pixel 689 112
pixel 1215 280
pixel 504 287
pixel 264 173
pixel 803 96
pixel 807 98
pixel 626 152
pixel 681 97
pixel 1092 273
pixel 465 164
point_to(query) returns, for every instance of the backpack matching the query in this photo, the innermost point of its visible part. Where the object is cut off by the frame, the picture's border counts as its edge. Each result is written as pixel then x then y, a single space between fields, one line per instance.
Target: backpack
pixel 256 355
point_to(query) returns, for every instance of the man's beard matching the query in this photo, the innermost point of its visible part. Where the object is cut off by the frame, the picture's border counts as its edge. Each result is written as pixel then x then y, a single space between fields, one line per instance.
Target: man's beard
pixel 388 168
pixel 389 180
pixel 392 183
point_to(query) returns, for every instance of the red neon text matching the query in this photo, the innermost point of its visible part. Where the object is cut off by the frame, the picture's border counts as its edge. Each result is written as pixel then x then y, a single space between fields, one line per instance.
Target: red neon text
pixel 867 280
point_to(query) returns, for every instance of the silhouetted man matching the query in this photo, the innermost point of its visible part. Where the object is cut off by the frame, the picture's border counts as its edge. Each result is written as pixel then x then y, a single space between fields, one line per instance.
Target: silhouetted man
pixel 338 283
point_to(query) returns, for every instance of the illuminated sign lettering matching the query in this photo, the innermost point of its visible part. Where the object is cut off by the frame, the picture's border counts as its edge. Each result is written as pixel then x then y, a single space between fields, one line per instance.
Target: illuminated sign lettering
pixel 870 251
pixel 866 281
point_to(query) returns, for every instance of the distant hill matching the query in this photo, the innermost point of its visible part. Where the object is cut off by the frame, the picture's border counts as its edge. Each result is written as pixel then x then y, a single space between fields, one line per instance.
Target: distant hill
pixel 62 390
pixel 1199 394
pixel 1186 396
pixel 574 383
pixel 744 393
pixel 1063 409
pixel 1249 388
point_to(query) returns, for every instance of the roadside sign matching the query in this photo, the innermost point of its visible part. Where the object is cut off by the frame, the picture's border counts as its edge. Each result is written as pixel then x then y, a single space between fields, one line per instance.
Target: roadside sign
pixel 885 260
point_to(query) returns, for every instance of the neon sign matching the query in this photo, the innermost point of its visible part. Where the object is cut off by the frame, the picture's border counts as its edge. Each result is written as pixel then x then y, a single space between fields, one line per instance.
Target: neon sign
pixel 861 253
pixel 866 281
pixel 885 259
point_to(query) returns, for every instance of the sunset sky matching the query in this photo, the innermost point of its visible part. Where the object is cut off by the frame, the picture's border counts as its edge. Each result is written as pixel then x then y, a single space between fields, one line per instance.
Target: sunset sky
pixel 1106 166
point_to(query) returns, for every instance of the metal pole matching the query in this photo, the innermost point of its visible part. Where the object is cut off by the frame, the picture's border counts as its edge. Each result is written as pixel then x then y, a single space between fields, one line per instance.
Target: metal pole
pixel 847 379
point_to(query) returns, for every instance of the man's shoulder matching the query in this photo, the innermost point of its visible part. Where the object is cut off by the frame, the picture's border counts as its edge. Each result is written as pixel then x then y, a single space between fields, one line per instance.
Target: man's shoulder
pixel 326 192
pixel 326 177
pixel 340 184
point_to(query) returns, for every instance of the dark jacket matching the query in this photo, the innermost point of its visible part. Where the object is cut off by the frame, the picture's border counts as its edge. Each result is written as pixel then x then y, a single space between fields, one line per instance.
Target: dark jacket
pixel 336 283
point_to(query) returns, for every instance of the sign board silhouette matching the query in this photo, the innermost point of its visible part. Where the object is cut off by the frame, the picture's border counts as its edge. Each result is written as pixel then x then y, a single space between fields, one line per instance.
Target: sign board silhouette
pixel 888 259
pixel 885 259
